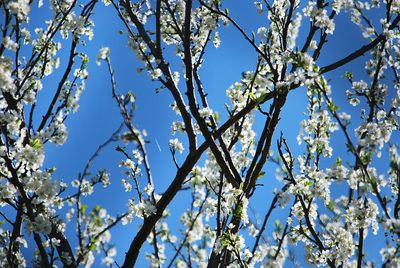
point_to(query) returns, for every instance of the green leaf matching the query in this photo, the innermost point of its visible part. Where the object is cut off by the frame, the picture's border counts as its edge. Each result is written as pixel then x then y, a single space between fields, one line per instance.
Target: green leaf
pixel 93 244
pixel 241 186
pixel 253 96
pixel 52 170
pixel 331 205
pixel 97 209
pixel 216 116
pixel 348 75
pixel 225 240
pixel 226 11
pixel 239 211
pixel 97 221
pixel 278 226
pixel 309 183
pixel 36 143
pixel 83 208
pixel 85 61
pixel 261 174
pixel 331 106
pixel 315 68
pixel 323 82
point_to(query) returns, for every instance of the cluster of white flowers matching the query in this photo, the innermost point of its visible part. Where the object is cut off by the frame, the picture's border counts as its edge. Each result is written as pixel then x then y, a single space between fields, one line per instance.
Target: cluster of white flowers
pixel 155 73
pixel 362 214
pixel 31 156
pixel 103 54
pixel 142 209
pixel 21 8
pixel 340 243
pixel 373 136
pixel 10 44
pixel 176 145
pixel 216 40
pixel 319 16
pixel 205 112
pixel 316 132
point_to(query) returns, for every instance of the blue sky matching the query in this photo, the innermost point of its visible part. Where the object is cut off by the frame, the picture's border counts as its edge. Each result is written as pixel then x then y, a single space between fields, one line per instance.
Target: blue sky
pixel 98 115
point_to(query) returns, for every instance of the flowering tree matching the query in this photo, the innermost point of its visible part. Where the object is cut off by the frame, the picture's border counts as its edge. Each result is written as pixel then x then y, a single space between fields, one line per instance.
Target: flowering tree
pixel 218 157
